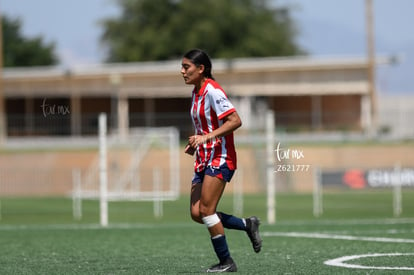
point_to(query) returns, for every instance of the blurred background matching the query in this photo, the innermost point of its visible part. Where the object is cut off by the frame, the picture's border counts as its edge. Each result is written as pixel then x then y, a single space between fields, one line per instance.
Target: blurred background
pixel 328 84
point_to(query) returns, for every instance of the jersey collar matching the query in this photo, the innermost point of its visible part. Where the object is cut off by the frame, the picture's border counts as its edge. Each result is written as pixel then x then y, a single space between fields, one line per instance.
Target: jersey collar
pixel 202 89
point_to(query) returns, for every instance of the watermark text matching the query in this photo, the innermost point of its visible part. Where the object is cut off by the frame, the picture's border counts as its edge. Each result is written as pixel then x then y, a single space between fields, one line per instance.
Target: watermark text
pixel 53 109
pixel 290 155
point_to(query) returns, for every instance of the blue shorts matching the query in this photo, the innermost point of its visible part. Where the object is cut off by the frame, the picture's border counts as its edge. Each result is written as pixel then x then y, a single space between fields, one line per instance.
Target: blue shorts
pixel 222 172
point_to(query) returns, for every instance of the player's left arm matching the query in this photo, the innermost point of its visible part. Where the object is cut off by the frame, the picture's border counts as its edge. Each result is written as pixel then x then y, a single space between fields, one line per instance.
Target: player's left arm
pixel 231 122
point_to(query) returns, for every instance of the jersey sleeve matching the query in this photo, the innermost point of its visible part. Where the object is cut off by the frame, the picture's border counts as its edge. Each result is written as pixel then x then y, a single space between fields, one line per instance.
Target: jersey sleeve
pixel 220 103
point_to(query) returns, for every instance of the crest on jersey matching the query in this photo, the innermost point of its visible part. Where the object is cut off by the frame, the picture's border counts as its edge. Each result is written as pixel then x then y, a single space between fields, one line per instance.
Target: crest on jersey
pixel 223 102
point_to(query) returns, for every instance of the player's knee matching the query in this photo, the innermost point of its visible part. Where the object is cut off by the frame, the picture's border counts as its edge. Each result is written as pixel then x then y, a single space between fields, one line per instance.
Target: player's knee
pixel 206 210
pixel 197 219
pixel 211 221
pixel 195 215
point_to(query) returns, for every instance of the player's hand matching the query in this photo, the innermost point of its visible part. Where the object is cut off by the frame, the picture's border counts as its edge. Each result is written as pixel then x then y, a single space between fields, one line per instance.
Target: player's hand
pixel 197 140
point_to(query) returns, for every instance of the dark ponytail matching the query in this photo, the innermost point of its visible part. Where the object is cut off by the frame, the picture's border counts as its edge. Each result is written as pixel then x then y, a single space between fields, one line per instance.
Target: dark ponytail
pixel 199 57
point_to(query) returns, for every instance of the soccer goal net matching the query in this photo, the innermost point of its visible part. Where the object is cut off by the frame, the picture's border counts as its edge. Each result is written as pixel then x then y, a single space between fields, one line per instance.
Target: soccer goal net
pixel 144 166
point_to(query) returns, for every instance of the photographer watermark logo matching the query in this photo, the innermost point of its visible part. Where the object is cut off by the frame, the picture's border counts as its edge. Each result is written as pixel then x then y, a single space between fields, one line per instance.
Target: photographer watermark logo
pixel 289 155
pixel 53 109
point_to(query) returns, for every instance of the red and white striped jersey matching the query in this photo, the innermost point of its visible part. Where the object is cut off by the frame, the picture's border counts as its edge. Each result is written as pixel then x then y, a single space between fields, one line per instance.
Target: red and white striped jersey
pixel 210 106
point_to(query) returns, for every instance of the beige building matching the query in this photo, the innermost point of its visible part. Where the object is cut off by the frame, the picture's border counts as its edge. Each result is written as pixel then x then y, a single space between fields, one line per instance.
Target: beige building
pixel 305 93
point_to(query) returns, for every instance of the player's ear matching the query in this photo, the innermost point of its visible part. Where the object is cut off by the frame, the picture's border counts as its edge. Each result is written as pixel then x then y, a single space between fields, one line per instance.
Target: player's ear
pixel 201 69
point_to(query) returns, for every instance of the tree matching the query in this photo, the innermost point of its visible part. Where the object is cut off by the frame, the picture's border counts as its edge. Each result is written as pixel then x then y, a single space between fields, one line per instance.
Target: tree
pixel 19 51
pixel 164 29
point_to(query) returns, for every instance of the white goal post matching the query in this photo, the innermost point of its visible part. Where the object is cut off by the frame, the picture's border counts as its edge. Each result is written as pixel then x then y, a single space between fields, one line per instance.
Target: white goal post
pixel 145 166
pixel 103 171
pixel 270 167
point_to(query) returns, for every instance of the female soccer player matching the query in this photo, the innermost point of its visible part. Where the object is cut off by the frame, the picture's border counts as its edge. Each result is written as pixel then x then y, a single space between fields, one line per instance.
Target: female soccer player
pixel 214 119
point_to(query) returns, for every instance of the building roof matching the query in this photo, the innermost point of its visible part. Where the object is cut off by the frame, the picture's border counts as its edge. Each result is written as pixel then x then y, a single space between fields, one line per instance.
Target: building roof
pixel 240 76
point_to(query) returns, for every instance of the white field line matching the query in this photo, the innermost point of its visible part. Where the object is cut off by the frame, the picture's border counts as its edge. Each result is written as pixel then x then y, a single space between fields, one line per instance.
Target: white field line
pixel 335 237
pixel 390 231
pixel 380 222
pixel 92 226
pixel 340 262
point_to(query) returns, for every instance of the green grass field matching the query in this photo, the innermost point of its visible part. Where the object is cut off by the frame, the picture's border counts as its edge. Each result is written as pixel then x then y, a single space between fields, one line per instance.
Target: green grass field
pixel 39 236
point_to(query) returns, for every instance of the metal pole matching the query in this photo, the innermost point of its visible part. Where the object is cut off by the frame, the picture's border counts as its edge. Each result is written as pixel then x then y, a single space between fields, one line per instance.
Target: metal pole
pixel 3 130
pixel 397 197
pixel 103 171
pixel 158 203
pixel 77 194
pixel 370 36
pixel 238 194
pixel 271 188
pixel 317 193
